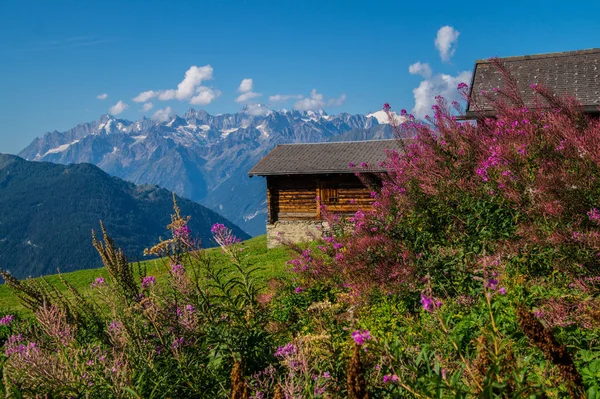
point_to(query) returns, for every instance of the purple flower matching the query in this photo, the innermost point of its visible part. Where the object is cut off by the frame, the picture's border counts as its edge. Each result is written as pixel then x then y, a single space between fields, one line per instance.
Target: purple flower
pixel 326 374
pixel 177 269
pixel 351 165
pixel 98 282
pixel 177 342
pixel 217 228
pixel 148 281
pixel 286 350
pixel 386 107
pixel 492 284
pixel 115 326
pixel 223 236
pixel 429 304
pixel 391 378
pixel 182 232
pixel 361 336
pixel 462 85
pixel 594 214
pixel 502 291
pixel 298 290
pixel 7 320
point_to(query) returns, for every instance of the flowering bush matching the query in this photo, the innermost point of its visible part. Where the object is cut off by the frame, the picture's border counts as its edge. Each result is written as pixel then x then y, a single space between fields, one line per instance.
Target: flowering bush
pixel 467 212
pixel 139 334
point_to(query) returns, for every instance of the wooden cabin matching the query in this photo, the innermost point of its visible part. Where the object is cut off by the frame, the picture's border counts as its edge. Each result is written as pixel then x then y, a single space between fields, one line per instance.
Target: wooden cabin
pixel 574 73
pixel 302 177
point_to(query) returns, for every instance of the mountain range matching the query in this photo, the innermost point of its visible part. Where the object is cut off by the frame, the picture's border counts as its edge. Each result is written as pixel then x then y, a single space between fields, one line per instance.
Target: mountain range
pixel 200 156
pixel 49 211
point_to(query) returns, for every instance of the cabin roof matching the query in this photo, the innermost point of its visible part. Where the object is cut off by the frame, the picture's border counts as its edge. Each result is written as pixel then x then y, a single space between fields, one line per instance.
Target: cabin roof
pixel 574 73
pixel 322 158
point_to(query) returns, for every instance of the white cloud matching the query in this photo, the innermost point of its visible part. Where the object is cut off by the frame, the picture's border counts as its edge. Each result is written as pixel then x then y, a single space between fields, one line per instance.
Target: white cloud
pixel 166 95
pixel 284 97
pixel 145 96
pixel 118 108
pixel 147 107
pixel 445 42
pixel 440 84
pixel 257 110
pixel 314 103
pixel 189 89
pixel 336 102
pixel 204 95
pixel 419 68
pixel 102 96
pixel 246 90
pixel 246 85
pixel 242 98
pixel 163 115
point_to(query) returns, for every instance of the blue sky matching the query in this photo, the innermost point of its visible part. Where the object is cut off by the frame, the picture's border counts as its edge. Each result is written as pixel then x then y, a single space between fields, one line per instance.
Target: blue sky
pixel 57 57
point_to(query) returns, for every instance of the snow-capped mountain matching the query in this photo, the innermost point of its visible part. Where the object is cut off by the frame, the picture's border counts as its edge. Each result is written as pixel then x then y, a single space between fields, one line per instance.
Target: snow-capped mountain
pixel 200 156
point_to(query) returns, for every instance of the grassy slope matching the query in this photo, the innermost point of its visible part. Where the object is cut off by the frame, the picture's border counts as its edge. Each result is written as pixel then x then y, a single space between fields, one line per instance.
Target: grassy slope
pixel 272 263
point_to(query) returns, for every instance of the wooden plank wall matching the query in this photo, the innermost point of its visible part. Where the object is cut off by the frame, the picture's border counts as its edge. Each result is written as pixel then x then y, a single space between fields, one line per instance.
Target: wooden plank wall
pixel 293 197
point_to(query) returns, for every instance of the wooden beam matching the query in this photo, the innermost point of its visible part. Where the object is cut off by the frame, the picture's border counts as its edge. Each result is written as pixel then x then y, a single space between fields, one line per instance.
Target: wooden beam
pixel 318 192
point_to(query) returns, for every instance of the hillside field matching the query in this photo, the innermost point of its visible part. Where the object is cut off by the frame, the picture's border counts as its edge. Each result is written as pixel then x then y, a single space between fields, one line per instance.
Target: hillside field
pixel 271 262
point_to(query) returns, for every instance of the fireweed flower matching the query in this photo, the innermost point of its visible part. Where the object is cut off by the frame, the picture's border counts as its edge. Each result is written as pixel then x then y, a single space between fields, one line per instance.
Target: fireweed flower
pixel 218 228
pixel 99 282
pixel 594 215
pixel 7 320
pixel 182 232
pixel 148 281
pixel 177 342
pixel 361 336
pixel 286 350
pixel 223 236
pixel 115 326
pixel 390 378
pixel 386 107
pixel 492 284
pixel 429 304
pixel 177 269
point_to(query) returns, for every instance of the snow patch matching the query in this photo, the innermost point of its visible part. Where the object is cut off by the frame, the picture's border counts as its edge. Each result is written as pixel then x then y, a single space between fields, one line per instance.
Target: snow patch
pixel 28 242
pixel 139 138
pixel 263 130
pixel 60 148
pixel 383 119
pixel 253 215
pixel 227 132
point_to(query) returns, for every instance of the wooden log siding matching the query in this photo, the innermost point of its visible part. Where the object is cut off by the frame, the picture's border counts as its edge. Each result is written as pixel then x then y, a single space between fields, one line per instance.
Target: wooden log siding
pixel 294 197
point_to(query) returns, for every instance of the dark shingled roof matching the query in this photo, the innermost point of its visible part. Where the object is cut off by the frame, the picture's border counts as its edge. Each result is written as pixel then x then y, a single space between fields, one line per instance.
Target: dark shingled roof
pixel 575 73
pixel 319 158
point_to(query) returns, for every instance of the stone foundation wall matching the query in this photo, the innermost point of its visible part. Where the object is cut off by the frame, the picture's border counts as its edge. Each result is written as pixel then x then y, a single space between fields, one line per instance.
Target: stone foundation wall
pixel 294 231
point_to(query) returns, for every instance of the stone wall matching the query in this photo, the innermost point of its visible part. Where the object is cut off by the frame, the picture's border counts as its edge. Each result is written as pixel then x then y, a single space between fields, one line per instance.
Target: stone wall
pixel 294 231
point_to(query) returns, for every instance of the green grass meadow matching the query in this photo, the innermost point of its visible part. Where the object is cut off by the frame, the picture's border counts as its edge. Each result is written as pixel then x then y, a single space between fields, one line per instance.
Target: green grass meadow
pixel 272 264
